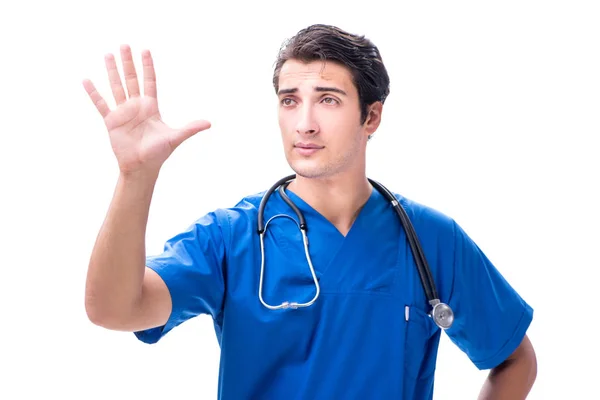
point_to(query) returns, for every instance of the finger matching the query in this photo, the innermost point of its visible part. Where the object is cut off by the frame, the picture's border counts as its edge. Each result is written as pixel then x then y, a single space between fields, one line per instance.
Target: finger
pixel 115 79
pixel 96 98
pixel 149 74
pixel 131 79
pixel 188 131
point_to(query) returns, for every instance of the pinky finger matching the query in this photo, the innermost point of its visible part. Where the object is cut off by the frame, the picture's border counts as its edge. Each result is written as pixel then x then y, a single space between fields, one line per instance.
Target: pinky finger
pixel 96 98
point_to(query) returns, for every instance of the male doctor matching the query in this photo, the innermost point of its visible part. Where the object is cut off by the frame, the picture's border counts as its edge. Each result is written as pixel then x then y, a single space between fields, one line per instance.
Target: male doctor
pixel 368 334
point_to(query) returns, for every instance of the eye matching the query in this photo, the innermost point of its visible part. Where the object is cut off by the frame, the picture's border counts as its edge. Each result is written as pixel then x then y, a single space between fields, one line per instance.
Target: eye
pixel 330 100
pixel 287 101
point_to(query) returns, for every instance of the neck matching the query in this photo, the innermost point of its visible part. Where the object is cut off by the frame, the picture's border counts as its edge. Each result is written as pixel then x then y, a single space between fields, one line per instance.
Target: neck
pixel 339 198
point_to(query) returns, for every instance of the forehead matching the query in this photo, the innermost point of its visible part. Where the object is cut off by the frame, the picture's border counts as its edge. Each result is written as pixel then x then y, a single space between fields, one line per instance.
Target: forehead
pixel 295 73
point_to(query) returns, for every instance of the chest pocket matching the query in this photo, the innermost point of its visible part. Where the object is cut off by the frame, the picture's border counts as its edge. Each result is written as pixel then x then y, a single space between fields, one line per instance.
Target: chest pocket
pixel 421 344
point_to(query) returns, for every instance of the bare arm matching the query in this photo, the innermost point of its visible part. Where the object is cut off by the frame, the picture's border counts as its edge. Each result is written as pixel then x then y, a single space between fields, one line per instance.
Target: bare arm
pixel 117 272
pixel 121 292
pixel 514 378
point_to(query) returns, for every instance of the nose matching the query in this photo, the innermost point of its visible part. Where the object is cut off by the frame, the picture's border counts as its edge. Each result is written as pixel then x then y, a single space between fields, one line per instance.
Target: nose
pixel 307 124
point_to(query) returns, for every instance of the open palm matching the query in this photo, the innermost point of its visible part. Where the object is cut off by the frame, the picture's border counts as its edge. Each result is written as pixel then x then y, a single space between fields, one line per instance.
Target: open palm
pixel 138 136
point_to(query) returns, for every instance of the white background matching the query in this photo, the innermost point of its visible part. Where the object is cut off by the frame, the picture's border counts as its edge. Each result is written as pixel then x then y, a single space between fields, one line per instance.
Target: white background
pixel 493 119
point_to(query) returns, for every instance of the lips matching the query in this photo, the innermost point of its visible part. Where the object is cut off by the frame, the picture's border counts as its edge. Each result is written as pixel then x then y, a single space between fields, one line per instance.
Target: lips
pixel 307 149
pixel 308 146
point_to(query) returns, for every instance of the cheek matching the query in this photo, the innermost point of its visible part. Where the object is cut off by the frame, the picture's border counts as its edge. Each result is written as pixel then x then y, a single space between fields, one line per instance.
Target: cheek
pixel 285 122
pixel 336 119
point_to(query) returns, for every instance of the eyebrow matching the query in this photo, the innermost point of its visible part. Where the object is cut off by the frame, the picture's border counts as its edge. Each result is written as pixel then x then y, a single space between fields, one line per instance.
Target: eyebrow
pixel 317 89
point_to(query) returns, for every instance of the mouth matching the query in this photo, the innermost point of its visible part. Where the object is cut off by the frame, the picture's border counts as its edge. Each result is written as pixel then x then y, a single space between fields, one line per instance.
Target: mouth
pixel 307 149
pixel 308 146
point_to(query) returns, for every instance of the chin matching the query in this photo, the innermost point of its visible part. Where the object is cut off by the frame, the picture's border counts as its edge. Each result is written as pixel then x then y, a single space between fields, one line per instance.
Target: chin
pixel 309 168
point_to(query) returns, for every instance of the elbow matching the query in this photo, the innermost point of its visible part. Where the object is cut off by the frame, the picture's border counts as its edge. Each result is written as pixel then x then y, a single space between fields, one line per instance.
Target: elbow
pixel 95 312
pixel 103 314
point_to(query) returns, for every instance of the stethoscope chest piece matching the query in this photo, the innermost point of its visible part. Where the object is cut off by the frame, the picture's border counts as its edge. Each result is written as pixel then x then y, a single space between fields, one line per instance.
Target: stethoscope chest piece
pixel 442 315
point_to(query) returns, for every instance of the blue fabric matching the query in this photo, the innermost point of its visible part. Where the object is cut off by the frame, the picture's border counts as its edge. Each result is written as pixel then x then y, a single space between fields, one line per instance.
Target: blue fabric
pixel 368 335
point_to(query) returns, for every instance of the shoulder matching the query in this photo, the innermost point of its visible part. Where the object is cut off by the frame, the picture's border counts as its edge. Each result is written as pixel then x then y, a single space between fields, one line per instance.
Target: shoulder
pixel 437 233
pixel 244 210
pixel 427 219
pixel 239 218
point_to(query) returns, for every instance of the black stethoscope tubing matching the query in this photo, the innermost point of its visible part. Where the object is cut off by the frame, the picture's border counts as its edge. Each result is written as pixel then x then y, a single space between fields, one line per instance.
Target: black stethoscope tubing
pixel 442 313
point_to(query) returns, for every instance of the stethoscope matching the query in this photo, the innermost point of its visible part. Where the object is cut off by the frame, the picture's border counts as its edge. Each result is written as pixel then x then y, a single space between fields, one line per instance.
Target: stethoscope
pixel 442 314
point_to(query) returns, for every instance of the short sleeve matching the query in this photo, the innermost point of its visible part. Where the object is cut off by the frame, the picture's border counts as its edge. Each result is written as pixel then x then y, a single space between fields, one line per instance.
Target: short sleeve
pixel 490 317
pixel 191 265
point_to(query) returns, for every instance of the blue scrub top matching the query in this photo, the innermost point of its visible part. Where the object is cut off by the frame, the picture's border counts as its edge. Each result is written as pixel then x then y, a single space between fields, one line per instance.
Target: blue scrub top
pixel 368 336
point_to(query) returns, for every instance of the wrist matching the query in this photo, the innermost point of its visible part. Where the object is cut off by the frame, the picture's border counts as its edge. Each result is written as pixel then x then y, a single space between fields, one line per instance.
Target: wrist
pixel 139 176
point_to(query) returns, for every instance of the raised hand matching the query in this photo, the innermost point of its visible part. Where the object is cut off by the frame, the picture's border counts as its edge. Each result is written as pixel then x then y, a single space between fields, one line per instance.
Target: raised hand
pixel 139 138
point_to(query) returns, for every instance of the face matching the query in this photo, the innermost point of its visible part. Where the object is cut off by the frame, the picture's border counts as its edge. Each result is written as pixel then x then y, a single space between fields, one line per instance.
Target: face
pixel 319 118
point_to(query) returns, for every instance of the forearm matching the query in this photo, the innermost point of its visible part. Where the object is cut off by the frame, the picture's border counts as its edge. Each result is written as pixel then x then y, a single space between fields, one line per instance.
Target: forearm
pixel 511 380
pixel 116 268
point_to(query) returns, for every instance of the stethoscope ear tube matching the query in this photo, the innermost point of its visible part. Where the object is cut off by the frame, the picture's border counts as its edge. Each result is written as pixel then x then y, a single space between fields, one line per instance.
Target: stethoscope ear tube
pixel 263 202
pixel 441 313
pixel 419 257
pixel 290 203
pixel 281 185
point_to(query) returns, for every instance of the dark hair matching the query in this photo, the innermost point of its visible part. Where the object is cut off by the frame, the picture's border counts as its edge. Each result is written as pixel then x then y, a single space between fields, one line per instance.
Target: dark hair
pixel 360 55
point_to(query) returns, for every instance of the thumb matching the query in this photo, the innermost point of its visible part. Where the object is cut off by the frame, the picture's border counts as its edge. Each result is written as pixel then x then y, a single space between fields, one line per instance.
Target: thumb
pixel 189 130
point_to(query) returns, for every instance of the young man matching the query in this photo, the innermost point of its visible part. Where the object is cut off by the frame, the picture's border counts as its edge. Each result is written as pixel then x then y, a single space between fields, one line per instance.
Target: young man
pixel 362 329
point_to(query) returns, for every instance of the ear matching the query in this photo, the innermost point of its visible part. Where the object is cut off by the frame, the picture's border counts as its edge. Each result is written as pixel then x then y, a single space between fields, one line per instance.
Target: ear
pixel 373 118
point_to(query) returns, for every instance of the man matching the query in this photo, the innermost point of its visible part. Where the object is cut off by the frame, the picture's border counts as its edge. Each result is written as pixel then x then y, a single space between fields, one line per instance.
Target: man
pixel 362 329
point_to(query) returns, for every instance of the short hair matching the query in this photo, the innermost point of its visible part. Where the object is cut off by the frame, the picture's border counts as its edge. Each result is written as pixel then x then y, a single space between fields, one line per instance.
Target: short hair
pixel 360 55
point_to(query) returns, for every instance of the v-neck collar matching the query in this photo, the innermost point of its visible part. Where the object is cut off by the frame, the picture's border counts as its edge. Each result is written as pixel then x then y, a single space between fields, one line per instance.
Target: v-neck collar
pixel 310 211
